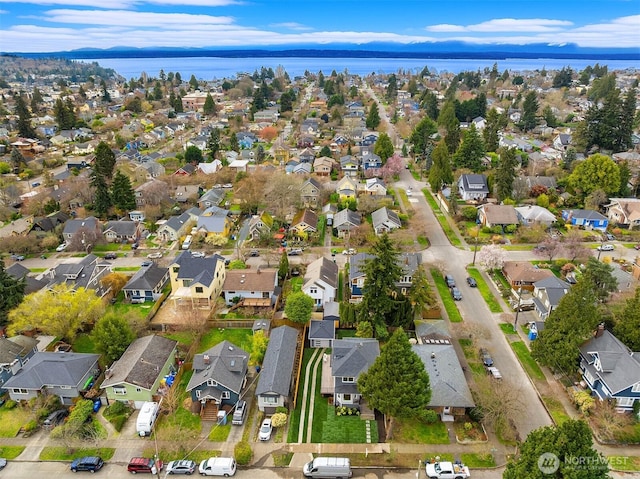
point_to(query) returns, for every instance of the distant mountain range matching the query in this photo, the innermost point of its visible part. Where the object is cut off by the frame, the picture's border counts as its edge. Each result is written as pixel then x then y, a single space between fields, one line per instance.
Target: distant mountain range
pixel 443 50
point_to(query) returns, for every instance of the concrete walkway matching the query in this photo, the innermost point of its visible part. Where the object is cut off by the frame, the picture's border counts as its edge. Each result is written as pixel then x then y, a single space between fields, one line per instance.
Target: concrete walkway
pixel 312 390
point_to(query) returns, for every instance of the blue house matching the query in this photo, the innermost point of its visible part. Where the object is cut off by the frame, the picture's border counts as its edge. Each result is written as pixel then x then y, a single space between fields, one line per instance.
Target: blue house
pixel 357 275
pixel 219 374
pixel 588 219
pixel 14 353
pixel 610 369
pixel 371 161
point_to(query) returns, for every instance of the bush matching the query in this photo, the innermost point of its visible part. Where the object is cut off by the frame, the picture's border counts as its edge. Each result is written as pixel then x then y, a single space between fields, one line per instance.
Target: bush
pixel 469 213
pixel 118 422
pixel 347 411
pixel 116 409
pixel 476 414
pixel 243 453
pixel 10 404
pixel 284 410
pixel 429 416
pixel 30 426
pixel 279 419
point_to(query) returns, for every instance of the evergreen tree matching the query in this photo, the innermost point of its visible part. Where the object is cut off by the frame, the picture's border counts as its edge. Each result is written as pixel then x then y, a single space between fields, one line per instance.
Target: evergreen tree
pixel 382 272
pixel 283 267
pixel 600 278
pixel 193 82
pixel 112 335
pixel 157 91
pixel 209 107
pixel 623 140
pixel 397 384
pixel 36 99
pixel 421 294
pixel 102 196
pixel 421 137
pixel 471 150
pixel 549 116
pixel 25 129
pixel 440 172
pixel 627 323
pixel 373 117
pixel 506 173
pixel 213 143
pixel 106 97
pixel 104 162
pixel 449 122
pixel 490 132
pixel 430 105
pixel 383 147
pixel 122 194
pixel 392 88
pixel 11 293
pixel 528 120
pixel 193 155
pixel 17 160
pixel 234 145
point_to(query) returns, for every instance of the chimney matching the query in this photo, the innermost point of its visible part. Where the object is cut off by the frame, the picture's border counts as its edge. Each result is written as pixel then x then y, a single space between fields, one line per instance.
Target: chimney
pixel 433 355
pixel 206 359
pixel 598 332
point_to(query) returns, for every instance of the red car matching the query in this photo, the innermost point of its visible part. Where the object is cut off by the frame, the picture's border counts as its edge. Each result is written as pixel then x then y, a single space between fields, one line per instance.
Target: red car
pixel 637 246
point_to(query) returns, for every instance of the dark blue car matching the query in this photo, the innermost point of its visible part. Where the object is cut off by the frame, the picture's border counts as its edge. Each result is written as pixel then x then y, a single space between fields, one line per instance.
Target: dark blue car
pixel 88 463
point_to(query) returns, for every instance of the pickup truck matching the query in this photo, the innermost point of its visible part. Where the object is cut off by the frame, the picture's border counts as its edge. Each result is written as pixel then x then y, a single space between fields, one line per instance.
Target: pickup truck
pixel 447 470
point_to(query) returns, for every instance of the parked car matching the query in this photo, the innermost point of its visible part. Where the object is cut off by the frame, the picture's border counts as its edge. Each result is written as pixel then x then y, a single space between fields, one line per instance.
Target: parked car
pixel 35 184
pixel 265 430
pixel 17 257
pixel 87 463
pixel 240 413
pixel 472 282
pixel 494 372
pixel 146 264
pixel 456 294
pixel 294 252
pixel 637 246
pixel 605 247
pixel 609 237
pixel 144 464
pixel 110 256
pixel 350 251
pixel 218 466
pixel 181 467
pixel 197 254
pixel 486 358
pixel 156 255
pixel 451 283
pixel 3 463
pixel 227 185
pixel 254 253
pixel 55 418
pixel 61 247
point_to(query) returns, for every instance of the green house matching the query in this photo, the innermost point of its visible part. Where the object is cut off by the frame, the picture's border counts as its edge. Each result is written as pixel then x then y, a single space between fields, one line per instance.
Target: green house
pixel 141 373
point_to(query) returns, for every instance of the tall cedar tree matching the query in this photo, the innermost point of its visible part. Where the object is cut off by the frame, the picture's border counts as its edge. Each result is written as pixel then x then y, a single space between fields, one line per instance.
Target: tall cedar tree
pixel 430 105
pixel 11 293
pixel 383 147
pixel 104 163
pixel 283 267
pixel 568 326
pixel 490 132
pixel 24 119
pixel 506 173
pixel 569 441
pixel 471 150
pixel 421 293
pixel 440 172
pixel 122 194
pixel 627 323
pixel 600 276
pixel 234 145
pixel 209 107
pixel 528 120
pixel 448 121
pixel 421 136
pixel 102 196
pixel 382 272
pixel 213 143
pixel 396 384
pixel 373 117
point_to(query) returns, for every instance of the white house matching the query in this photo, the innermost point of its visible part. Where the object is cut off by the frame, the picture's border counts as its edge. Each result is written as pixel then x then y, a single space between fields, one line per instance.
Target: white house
pixel 321 281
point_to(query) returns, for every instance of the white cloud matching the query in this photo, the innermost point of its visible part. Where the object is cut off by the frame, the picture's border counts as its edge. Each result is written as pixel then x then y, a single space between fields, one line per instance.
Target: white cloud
pixel 505 25
pixel 291 26
pixel 131 19
pixel 128 4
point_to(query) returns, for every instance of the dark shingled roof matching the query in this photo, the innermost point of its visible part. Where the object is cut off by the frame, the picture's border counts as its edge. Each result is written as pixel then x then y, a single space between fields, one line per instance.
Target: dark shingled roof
pixel 277 366
pixel 53 369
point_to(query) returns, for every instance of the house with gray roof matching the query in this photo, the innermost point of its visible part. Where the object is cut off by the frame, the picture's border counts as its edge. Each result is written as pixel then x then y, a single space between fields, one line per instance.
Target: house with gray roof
pixel 15 352
pixel 175 227
pixel 385 220
pixel 141 373
pixel 276 376
pixel 65 375
pixel 346 220
pixel 212 197
pixel 589 219
pixel 196 280
pixel 408 262
pixel 350 357
pixel 321 333
pixel 122 231
pixel 32 284
pixel 75 226
pixel 547 294
pixel 611 370
pixel 219 374
pixel 86 273
pixel 497 215
pixel 450 394
pixel 473 187
pixel 146 284
pixel 321 281
pixel 533 214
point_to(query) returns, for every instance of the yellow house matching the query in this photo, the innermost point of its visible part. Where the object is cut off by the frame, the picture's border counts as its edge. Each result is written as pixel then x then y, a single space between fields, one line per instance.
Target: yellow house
pixel 347 187
pixel 215 221
pixel 196 280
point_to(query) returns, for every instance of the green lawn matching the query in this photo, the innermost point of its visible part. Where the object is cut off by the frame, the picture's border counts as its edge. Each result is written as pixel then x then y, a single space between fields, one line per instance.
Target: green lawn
pixel 624 463
pixel 11 452
pixel 61 453
pixel 84 344
pixel 412 431
pixel 529 364
pixel 442 219
pixel 445 295
pixel 239 337
pixel 11 420
pixel 183 337
pixel 129 310
pixel 485 291
pixel 296 284
pixel 467 349
pixel 294 419
pixel 345 333
pixel 423 240
pixel 473 460
pixel 556 409
pixel 282 460
pixel 181 418
pixel 220 433
pixel 507 328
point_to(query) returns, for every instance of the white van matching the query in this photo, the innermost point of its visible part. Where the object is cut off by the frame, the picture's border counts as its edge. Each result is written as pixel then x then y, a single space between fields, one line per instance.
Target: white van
pixel 218 466
pixel 187 242
pixel 146 418
pixel 328 467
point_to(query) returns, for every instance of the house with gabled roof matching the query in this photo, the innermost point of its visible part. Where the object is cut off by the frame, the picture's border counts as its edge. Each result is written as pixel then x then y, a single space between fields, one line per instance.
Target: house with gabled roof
pixel 212 197
pixel 305 222
pixel 74 226
pixel 547 294
pixel 611 370
pixel 139 375
pixel 251 287
pixel 589 219
pixel 473 187
pixel 321 333
pixel 197 281
pixel 323 165
pixel 122 231
pixel 320 281
pixel 260 225
pixel 146 284
pixel 214 221
pixel 176 226
pixel 349 165
pixel 624 212
pixel 47 224
pixel 275 383
pixel 302 169
pixel 15 352
pixel 66 375
pixel 350 357
pixel 385 220
pixel 521 274
pixel 311 193
pixel 371 161
pixel 86 273
pixel 219 375
pixel 347 187
pixel 345 221
pixel 306 156
pixel 533 214
pixel 491 215
pixel 32 284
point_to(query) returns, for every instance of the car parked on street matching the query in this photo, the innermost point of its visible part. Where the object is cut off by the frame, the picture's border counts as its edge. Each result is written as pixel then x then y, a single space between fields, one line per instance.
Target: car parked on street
pixel 265 430
pixel 451 283
pixel 181 467
pixel 144 464
pixel 61 247
pixel 486 358
pixel 606 247
pixel 110 255
pixel 294 252
pixel 17 257
pixel 87 463
pixel 456 294
pixel 146 264
pixel 197 254
pixel 3 463
pixel 156 255
pixel 472 282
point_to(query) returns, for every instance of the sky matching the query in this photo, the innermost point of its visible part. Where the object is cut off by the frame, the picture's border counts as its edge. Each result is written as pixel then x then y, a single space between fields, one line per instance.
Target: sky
pixel 61 25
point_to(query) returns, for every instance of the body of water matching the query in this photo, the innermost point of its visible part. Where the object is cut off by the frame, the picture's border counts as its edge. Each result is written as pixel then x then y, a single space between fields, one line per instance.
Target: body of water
pixel 209 68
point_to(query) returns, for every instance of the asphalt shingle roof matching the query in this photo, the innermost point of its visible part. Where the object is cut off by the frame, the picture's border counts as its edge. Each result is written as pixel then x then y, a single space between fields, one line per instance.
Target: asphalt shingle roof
pixel 277 366
pixel 225 363
pixel 53 369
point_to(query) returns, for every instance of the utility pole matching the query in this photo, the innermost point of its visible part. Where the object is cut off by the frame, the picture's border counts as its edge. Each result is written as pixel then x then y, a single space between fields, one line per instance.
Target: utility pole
pixel 515 322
